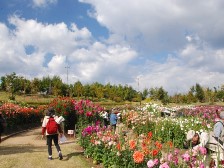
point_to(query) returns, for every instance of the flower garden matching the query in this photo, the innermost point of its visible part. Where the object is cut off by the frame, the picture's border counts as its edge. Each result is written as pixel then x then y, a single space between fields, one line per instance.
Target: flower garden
pixel 145 140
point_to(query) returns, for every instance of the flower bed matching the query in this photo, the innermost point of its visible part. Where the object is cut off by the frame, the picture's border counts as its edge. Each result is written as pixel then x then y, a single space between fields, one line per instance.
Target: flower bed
pixel 158 142
pixel 114 150
pixel 19 118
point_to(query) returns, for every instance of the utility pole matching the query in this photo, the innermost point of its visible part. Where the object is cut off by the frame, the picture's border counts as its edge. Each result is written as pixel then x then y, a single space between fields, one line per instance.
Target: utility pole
pixel 138 84
pixel 67 67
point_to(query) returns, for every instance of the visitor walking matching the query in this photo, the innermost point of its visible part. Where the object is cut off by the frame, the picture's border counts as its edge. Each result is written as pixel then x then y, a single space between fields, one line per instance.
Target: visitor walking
pixel 50 128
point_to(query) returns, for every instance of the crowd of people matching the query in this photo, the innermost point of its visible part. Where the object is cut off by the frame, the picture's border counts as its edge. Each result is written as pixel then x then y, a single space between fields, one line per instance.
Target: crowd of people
pixel 111 118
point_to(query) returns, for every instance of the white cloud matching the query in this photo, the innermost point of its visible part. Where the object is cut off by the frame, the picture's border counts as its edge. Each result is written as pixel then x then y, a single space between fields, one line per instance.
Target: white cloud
pixel 43 3
pixel 195 63
pixel 89 60
pixel 161 25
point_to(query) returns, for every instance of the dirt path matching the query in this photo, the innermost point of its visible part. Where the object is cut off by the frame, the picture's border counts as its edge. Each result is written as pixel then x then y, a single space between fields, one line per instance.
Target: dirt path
pixel 27 150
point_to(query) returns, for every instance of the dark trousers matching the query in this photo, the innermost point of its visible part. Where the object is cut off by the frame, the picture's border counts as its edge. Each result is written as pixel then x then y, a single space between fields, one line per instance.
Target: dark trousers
pixel 105 122
pixel 49 143
pixel 114 127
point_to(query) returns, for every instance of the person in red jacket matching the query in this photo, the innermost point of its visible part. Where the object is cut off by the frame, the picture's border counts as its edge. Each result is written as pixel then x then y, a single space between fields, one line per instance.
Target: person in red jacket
pixel 50 114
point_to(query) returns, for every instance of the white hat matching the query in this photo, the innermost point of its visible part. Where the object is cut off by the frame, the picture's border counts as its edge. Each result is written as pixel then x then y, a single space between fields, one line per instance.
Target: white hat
pixel 190 134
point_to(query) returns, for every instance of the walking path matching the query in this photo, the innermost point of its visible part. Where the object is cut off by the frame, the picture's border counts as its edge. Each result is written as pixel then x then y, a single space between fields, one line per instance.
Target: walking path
pixel 28 150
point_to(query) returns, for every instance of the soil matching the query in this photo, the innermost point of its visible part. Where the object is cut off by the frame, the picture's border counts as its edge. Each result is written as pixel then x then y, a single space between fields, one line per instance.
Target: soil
pixel 28 149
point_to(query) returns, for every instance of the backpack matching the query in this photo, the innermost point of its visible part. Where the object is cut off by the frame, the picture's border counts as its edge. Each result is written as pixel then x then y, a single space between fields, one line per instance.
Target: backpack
pixel 52 126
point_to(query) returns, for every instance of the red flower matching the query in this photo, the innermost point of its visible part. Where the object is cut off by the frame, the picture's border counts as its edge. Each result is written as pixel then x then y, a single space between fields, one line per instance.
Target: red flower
pixel 150 134
pixel 155 152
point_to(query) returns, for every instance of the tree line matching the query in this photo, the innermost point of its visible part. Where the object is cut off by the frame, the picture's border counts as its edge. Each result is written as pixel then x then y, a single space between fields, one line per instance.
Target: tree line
pixel 15 84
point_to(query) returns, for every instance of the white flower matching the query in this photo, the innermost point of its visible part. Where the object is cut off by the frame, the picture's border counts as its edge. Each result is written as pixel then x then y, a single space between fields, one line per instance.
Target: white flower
pixel 118 153
pixel 110 143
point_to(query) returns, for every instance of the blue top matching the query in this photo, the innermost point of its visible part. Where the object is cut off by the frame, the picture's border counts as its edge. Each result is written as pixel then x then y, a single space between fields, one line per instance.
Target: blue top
pixel 113 118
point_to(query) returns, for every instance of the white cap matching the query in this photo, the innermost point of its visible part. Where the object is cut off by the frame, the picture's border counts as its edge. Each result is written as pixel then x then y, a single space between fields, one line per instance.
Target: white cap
pixel 190 134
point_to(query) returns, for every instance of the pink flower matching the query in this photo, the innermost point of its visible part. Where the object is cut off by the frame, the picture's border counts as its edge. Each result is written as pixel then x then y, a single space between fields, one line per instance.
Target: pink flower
pixel 195 151
pixel 170 156
pixel 156 161
pixel 176 151
pixel 186 157
pixel 150 163
pixel 164 165
pixel 175 160
pixel 89 113
pixel 203 150
pixel 202 165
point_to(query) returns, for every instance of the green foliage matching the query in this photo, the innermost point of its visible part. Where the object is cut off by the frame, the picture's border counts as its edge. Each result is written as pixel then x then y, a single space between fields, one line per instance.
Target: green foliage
pixel 145 127
pixel 54 86
pixel 118 99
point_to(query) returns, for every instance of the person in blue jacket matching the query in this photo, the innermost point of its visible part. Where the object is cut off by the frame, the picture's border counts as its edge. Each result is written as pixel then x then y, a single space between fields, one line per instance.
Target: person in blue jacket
pixel 113 120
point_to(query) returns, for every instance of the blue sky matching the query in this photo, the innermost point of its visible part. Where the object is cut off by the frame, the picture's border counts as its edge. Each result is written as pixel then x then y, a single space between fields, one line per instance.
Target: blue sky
pixel 173 44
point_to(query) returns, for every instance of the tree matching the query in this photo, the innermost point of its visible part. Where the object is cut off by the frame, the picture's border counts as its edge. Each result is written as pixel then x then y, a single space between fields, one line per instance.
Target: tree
pixel 78 89
pixel 56 84
pixel 45 85
pixel 159 94
pixel 145 93
pixel 13 84
pixel 3 83
pixel 35 85
pixel 199 93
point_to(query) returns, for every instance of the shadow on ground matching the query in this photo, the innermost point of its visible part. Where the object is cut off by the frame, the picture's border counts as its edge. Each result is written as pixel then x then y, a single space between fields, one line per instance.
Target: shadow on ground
pixel 8 150
pixel 74 154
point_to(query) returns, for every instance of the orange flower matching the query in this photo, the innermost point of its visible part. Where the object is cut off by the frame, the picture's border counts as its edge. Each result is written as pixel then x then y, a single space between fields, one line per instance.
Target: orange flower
pixel 118 146
pixel 158 145
pixel 138 157
pixel 132 144
pixel 146 150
